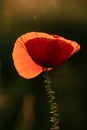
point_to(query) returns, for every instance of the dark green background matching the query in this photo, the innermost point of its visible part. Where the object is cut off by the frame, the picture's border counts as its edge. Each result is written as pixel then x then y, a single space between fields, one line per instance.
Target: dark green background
pixel 69 80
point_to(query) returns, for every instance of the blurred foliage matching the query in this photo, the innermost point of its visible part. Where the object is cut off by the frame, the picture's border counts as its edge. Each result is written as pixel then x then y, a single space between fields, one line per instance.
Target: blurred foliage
pixel 66 18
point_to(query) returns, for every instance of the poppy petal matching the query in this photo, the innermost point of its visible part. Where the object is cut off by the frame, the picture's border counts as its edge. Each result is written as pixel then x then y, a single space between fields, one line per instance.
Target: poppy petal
pixel 25 66
pixel 68 48
pixel 75 45
pixel 43 51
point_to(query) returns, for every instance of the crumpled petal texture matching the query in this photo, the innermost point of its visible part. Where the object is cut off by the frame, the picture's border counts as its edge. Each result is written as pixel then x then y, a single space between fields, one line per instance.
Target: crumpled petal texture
pixel 36 50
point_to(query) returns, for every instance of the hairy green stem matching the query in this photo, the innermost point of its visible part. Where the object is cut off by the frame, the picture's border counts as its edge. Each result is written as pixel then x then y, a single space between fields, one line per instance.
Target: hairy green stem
pixel 54 117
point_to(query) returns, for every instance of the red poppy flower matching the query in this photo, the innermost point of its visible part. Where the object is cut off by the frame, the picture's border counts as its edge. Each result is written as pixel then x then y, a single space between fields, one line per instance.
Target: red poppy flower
pixel 35 50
